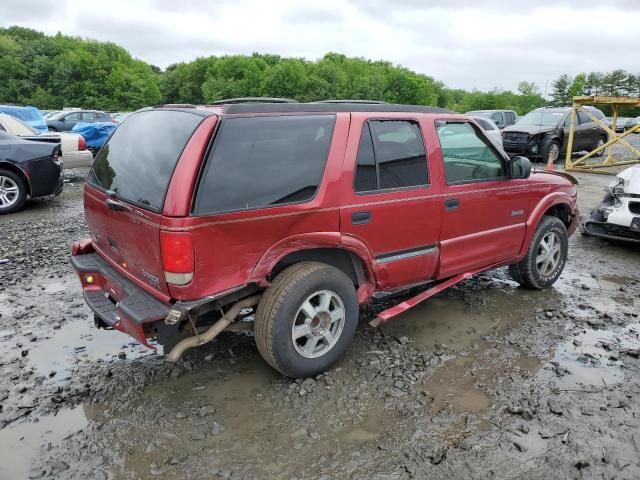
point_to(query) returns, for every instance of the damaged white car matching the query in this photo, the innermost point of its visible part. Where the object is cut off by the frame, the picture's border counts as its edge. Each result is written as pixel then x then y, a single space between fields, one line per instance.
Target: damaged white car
pixel 618 215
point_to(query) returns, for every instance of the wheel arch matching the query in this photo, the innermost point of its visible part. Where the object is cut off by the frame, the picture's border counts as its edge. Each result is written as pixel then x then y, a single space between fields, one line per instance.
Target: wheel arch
pixel 18 171
pixel 556 204
pixel 319 247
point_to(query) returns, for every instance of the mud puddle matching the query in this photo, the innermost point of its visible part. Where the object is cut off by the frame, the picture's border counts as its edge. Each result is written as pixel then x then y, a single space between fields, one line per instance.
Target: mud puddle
pixel 22 443
pixel 450 321
pixel 592 358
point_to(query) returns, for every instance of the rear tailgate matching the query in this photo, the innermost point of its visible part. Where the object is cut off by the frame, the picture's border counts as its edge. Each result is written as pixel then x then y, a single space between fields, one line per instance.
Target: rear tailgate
pixel 126 189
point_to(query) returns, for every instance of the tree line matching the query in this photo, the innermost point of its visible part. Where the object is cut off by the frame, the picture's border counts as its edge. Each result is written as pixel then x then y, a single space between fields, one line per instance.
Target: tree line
pixel 618 83
pixel 52 72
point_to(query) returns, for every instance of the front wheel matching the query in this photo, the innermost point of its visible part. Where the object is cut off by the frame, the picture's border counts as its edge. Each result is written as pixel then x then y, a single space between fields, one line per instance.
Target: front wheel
pixel 306 319
pixel 546 256
pixel 601 141
pixel 551 151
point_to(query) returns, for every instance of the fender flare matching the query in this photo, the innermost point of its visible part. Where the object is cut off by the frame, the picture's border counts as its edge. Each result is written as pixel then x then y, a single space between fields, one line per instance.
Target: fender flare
pixel 547 202
pixel 307 241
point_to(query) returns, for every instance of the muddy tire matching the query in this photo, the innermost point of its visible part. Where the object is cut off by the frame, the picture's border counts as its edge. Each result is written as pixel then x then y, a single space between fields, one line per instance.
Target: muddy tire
pixel 306 319
pixel 546 257
pixel 550 151
pixel 13 192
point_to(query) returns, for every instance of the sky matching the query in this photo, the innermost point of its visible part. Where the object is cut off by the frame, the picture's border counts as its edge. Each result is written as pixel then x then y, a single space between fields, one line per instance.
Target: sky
pixel 464 43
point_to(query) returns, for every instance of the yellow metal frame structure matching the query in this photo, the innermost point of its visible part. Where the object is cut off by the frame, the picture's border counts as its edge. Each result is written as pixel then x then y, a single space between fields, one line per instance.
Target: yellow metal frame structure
pixel 579 165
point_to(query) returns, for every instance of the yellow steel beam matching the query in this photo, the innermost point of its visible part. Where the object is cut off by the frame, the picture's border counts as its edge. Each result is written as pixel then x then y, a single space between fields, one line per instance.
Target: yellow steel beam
pixel 610 142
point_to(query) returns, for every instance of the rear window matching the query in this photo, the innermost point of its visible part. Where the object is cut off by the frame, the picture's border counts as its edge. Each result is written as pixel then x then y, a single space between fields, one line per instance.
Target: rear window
pixel 264 161
pixel 139 159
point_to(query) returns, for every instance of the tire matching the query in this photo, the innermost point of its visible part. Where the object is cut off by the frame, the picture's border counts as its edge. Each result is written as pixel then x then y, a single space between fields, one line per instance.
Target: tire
pixel 532 273
pixel 550 147
pixel 601 141
pixel 300 288
pixel 13 192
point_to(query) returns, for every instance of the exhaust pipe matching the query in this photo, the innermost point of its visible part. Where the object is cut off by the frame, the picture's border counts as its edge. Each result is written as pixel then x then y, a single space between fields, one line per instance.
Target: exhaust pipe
pixel 213 331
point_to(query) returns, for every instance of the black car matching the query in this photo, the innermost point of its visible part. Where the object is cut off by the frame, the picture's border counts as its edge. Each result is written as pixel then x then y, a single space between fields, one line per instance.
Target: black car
pixel 543 133
pixel 27 170
pixel 66 120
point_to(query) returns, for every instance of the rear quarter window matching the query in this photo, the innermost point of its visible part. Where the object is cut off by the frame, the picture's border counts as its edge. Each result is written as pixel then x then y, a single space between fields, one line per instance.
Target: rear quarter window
pixel 264 161
pixel 138 160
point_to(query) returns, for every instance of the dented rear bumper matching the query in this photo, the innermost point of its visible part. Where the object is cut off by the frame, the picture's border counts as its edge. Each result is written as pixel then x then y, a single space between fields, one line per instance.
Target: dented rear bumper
pixel 115 300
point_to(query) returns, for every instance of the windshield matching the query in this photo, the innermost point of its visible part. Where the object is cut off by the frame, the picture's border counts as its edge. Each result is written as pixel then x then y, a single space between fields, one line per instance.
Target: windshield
pixel 17 127
pixel 546 118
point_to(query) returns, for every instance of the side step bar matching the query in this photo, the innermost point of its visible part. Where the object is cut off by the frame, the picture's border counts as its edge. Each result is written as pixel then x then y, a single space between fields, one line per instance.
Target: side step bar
pixel 386 315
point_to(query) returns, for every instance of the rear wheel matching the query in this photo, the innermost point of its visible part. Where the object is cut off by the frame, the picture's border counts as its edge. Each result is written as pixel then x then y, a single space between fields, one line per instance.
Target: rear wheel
pixel 13 192
pixel 546 256
pixel 306 319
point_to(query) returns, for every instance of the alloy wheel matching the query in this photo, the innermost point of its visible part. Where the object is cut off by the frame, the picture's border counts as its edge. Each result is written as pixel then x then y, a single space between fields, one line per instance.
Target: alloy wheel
pixel 318 324
pixel 549 254
pixel 9 192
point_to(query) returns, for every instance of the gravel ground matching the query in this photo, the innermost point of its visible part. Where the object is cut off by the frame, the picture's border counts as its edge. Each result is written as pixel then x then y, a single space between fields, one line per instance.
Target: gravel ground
pixel 483 381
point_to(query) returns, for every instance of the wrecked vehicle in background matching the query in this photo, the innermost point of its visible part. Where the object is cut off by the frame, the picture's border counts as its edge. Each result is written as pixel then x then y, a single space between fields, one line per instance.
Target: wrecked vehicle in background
pixel 618 215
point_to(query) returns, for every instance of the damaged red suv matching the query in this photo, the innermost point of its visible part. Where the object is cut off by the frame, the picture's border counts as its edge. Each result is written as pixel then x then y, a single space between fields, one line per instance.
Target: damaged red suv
pixel 293 215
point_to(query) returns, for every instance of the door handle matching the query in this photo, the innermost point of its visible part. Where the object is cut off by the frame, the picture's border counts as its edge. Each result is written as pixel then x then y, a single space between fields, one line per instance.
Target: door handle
pixel 113 205
pixel 451 204
pixel 360 218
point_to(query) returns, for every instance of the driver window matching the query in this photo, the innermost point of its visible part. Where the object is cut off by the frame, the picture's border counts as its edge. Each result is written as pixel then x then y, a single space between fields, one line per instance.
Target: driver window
pixel 467 154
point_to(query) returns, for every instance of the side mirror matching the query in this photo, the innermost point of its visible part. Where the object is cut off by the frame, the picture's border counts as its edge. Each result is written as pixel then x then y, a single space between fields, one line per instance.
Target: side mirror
pixel 63 119
pixel 519 167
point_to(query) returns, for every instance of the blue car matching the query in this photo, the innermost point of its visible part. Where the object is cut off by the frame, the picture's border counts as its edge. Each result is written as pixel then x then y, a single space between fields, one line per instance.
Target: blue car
pixel 29 115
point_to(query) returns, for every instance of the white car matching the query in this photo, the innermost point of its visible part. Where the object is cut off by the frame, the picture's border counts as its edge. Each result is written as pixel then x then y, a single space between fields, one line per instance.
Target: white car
pixel 490 128
pixel 73 146
pixel 618 215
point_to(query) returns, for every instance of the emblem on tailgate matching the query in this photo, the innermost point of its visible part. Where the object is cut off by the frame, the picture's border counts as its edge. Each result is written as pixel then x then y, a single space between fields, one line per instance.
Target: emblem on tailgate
pixel 155 281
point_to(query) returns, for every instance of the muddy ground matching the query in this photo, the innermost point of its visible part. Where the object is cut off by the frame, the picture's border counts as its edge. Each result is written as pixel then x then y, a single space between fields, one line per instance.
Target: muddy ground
pixel 486 380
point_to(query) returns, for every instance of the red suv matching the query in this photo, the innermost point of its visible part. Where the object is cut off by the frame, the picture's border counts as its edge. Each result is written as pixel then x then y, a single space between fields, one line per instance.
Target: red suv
pixel 293 215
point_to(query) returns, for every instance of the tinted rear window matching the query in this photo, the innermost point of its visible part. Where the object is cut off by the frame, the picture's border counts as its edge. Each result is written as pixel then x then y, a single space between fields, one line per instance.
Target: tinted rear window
pixel 139 159
pixel 263 161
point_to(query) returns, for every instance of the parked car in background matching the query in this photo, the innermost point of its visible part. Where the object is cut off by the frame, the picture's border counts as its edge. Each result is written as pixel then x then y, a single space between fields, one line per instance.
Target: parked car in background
pixel 542 133
pixel 28 170
pixel 95 134
pixel 617 217
pixel 51 114
pixel 66 120
pixel 490 128
pixel 120 116
pixel 314 209
pixel 29 115
pixel 502 118
pixel 622 123
pixel 73 145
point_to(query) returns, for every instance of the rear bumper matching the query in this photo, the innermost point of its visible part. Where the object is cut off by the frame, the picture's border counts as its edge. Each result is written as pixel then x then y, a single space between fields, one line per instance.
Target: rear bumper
pixel 78 158
pixel 118 302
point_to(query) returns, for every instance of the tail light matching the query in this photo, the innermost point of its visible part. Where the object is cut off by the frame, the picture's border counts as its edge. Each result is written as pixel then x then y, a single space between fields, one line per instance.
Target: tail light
pixel 55 156
pixel 82 145
pixel 177 257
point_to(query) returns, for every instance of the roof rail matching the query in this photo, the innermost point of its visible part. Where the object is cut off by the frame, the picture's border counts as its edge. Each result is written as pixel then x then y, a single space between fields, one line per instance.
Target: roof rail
pixel 358 101
pixel 174 105
pixel 228 101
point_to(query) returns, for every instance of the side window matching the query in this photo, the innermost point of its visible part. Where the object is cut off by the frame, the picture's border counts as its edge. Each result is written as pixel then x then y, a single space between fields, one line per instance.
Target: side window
pixel 468 155
pixel 497 118
pixel 88 116
pixel 567 121
pixel 73 117
pixel 391 155
pixel 583 118
pixel 511 118
pixel 264 161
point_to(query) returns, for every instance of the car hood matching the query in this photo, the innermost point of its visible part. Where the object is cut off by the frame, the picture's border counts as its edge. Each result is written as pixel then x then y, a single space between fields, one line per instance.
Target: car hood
pixel 630 180
pixel 530 129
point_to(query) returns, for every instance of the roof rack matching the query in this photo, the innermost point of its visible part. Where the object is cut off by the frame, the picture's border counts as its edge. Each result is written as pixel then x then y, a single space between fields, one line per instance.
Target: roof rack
pixel 174 105
pixel 233 101
pixel 329 108
pixel 357 101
